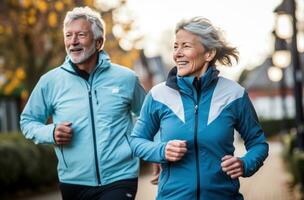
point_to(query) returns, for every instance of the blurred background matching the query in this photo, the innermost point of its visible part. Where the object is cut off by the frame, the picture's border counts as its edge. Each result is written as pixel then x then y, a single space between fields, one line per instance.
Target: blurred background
pixel 269 35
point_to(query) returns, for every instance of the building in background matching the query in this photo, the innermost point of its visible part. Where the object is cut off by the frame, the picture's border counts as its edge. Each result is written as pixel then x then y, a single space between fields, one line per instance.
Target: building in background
pixel 9 114
pixel 272 100
pixel 151 70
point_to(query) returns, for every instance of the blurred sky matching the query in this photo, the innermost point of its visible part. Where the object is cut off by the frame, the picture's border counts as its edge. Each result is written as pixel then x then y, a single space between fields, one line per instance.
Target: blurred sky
pixel 247 24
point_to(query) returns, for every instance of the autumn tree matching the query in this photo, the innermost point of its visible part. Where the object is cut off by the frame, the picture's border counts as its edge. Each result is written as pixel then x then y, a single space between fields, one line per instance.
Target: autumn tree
pixel 31 38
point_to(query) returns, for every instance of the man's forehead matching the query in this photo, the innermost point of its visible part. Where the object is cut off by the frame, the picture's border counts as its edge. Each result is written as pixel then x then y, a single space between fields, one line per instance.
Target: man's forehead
pixel 80 23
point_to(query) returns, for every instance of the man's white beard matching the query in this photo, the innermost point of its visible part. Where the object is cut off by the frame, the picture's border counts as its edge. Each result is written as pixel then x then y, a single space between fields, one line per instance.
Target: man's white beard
pixel 84 55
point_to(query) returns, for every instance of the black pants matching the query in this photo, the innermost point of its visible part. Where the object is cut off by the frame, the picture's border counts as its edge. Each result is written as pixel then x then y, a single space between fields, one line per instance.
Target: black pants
pixel 119 190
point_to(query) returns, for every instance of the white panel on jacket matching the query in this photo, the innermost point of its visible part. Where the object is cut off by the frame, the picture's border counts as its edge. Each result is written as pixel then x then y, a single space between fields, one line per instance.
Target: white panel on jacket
pixel 225 92
pixel 169 97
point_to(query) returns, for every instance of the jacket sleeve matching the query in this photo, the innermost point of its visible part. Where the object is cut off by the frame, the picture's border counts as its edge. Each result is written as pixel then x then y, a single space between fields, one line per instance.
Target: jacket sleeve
pixel 255 142
pixel 35 115
pixel 145 129
pixel 138 97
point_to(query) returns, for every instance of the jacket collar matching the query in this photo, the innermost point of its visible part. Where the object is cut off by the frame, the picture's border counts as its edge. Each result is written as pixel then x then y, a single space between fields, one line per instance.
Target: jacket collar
pixel 103 62
pixel 185 83
pixel 172 79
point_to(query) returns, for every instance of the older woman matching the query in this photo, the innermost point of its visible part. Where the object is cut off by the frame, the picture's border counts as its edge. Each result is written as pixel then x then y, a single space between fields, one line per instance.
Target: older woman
pixel 196 112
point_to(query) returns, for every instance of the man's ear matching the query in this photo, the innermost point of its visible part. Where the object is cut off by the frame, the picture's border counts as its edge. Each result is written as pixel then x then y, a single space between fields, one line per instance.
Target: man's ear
pixel 99 44
pixel 210 55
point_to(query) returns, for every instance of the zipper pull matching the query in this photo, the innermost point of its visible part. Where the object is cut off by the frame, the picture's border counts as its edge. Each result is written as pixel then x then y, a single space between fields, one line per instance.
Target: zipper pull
pixel 95 91
pixel 195 109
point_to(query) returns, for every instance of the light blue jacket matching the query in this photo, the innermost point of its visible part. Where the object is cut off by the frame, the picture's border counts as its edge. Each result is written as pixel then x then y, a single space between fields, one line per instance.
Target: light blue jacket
pixel 206 120
pixel 100 112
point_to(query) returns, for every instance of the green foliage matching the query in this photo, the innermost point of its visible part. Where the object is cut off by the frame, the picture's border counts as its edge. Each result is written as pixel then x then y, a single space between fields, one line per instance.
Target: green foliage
pixel 294 159
pixel 275 126
pixel 25 165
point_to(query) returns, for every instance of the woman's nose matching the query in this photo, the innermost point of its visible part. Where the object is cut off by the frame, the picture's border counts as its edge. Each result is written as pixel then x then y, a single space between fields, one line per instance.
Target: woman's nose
pixel 178 52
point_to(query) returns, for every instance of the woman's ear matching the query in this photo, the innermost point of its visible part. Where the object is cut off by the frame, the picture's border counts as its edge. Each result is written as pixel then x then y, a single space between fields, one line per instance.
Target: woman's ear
pixel 210 55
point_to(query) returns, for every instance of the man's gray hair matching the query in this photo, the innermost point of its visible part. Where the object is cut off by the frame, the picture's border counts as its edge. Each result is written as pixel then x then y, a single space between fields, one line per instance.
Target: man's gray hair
pixel 97 24
pixel 210 37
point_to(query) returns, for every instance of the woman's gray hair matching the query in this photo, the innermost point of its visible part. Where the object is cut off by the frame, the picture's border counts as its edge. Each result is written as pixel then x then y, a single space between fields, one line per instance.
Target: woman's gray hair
pixel 211 38
pixel 97 24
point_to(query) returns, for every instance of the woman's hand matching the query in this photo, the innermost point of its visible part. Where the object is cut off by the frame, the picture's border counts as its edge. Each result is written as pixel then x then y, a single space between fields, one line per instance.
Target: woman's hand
pixel 233 166
pixel 175 150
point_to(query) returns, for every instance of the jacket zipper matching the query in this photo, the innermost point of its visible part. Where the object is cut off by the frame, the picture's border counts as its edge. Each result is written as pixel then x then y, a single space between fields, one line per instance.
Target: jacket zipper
pixel 89 86
pixel 198 184
pixel 93 130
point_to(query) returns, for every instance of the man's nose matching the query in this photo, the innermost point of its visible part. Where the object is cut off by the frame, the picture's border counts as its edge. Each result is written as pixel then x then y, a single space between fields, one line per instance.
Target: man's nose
pixel 75 39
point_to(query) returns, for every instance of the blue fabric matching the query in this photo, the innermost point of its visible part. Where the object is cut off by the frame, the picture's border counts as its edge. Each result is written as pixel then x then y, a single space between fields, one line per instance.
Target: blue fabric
pixel 115 93
pixel 223 106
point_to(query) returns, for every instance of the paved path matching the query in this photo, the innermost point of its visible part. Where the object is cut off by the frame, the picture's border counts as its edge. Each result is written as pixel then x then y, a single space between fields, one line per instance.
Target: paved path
pixel 269 183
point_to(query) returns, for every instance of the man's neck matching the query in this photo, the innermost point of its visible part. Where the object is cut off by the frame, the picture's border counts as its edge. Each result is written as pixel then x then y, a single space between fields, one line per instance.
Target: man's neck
pixel 90 64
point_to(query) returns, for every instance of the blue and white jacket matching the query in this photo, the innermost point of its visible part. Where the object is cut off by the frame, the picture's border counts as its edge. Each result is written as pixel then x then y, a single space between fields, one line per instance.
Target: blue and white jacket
pixel 100 111
pixel 206 120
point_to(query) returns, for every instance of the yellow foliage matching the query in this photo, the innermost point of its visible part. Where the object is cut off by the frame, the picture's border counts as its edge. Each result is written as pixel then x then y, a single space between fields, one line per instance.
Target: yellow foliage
pixel 9 88
pixel 59 6
pixel 26 3
pixel 52 19
pixel 14 79
pixel 32 11
pixel 42 6
pixel 67 1
pixel 31 20
pixel 89 2
pixel 20 73
pixel 24 94
pixel 126 59
pixel 23 19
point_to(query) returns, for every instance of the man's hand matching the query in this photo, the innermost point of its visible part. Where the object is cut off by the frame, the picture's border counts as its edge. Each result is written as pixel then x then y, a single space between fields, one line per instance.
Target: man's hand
pixel 175 150
pixel 63 133
pixel 233 166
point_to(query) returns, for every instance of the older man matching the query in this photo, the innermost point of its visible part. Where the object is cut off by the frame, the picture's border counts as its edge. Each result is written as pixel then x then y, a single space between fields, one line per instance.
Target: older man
pixel 90 100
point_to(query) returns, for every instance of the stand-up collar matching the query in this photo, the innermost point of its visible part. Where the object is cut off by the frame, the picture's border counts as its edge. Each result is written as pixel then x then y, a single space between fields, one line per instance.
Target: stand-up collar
pixel 186 83
pixel 172 78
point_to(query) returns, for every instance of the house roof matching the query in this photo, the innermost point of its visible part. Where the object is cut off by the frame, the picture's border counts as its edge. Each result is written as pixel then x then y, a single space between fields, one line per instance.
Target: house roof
pixel 257 79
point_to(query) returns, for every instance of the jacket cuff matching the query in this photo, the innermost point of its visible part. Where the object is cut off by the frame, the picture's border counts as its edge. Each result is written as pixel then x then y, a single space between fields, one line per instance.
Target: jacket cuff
pixel 53 134
pixel 247 170
pixel 163 153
